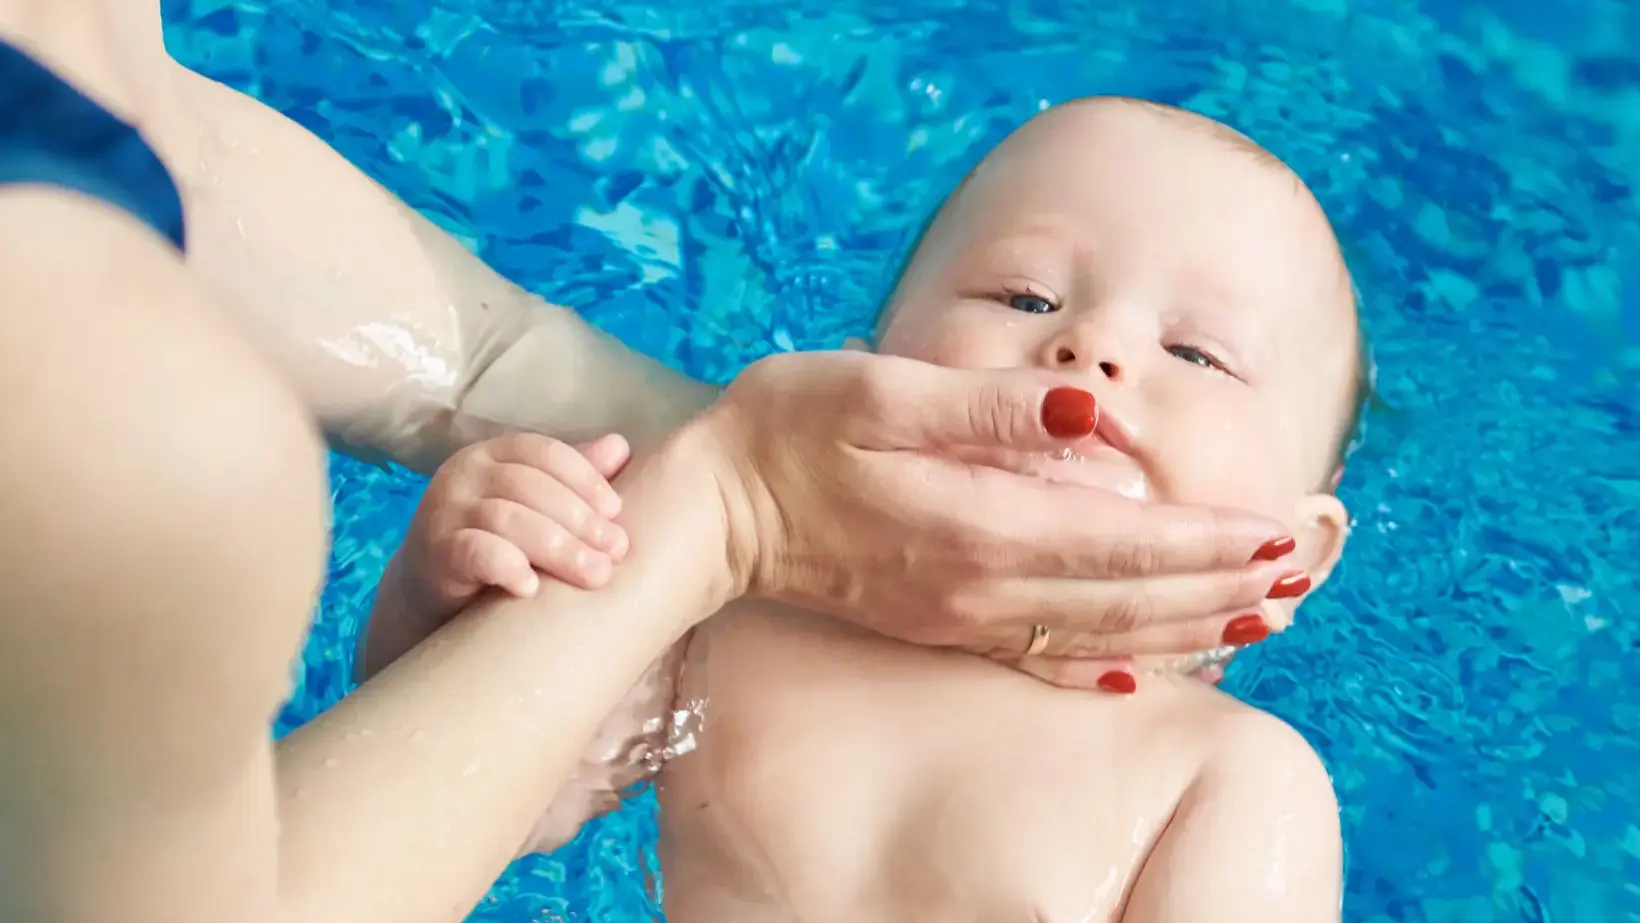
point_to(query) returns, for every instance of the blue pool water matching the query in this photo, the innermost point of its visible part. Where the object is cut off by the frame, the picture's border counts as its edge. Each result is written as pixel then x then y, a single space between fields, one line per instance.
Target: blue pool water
pixel 714 185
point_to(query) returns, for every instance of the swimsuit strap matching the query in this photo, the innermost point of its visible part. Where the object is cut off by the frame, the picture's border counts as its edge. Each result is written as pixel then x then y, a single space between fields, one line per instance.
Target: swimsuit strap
pixel 52 134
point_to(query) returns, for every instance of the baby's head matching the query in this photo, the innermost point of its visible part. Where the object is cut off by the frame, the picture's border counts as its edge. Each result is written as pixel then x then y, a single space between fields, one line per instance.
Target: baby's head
pixel 1184 276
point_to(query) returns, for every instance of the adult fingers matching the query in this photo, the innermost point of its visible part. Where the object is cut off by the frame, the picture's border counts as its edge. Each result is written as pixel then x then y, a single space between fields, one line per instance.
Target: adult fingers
pixel 1236 629
pixel 564 463
pixel 547 545
pixel 1003 609
pixel 545 494
pixel 1052 529
pixel 1109 675
pixel 906 404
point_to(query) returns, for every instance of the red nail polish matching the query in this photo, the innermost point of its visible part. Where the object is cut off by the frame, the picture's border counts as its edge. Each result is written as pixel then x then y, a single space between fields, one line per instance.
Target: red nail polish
pixel 1246 629
pixel 1069 413
pixel 1275 549
pixel 1118 681
pixel 1294 584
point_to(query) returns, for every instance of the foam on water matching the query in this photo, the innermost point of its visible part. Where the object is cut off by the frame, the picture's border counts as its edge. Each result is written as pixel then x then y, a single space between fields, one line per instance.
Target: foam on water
pixel 713 182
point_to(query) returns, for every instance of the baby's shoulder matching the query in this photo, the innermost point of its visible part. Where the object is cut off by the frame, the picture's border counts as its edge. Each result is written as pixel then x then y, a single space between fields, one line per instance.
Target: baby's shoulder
pixel 1240 740
pixel 1256 830
pixel 1263 766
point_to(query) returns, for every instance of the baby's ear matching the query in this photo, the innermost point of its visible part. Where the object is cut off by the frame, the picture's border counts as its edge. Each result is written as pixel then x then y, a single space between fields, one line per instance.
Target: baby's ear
pixel 1322 525
pixel 856 344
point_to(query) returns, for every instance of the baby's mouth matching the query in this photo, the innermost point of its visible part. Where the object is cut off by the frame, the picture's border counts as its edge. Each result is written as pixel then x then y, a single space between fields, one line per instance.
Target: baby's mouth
pixel 1106 460
pixel 1090 464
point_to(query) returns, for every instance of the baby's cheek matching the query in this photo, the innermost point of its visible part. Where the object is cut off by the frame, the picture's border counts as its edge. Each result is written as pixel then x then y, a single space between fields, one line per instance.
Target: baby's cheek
pixel 953 345
pixel 1231 463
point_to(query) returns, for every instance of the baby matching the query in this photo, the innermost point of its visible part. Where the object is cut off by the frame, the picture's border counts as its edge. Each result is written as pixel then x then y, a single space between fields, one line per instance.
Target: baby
pixel 1190 282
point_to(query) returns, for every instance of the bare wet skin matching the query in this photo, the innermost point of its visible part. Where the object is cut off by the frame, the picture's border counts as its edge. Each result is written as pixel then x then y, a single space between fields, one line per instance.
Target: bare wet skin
pixel 841 776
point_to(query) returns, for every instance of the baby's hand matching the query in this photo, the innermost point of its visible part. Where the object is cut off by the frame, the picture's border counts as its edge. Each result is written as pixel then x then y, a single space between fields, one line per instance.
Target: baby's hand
pixel 502 509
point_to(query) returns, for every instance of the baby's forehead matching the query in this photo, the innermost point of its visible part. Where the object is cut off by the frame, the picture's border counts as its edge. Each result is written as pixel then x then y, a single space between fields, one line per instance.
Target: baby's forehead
pixel 1107 152
pixel 1115 170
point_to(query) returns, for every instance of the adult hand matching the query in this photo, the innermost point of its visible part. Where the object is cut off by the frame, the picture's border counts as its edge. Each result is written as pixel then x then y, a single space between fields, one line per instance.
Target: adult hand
pixel 840 500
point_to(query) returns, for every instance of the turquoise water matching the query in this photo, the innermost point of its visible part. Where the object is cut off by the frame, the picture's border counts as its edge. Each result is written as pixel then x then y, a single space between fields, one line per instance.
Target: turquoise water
pixel 719 184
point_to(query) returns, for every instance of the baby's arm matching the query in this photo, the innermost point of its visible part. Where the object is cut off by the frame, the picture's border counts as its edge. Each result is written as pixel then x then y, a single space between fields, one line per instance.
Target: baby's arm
pixel 1255 839
pixel 494 514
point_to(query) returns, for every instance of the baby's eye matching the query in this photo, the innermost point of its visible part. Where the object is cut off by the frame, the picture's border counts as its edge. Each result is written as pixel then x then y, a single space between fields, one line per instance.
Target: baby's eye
pixel 1031 304
pixel 1195 356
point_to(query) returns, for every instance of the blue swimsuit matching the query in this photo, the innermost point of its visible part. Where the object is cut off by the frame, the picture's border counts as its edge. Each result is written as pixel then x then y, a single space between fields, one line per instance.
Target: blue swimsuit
pixel 51 134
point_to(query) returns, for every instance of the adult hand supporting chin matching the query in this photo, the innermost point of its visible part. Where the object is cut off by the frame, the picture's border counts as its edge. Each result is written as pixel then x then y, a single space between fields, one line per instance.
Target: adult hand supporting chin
pixel 841 497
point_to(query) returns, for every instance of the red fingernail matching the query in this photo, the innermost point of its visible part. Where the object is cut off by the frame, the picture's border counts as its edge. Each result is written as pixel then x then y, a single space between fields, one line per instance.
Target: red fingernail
pixel 1294 584
pixel 1246 629
pixel 1069 413
pixel 1118 681
pixel 1275 549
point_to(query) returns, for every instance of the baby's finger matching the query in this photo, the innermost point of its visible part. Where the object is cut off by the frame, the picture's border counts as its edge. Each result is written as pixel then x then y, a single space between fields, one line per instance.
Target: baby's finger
pixel 548 546
pixel 565 464
pixel 547 496
pixel 477 559
pixel 607 454
pixel 1111 675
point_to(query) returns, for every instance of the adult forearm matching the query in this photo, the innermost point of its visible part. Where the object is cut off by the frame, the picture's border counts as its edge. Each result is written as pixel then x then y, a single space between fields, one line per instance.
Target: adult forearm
pixel 547 371
pixel 406 800
pixel 405 344
pixel 565 378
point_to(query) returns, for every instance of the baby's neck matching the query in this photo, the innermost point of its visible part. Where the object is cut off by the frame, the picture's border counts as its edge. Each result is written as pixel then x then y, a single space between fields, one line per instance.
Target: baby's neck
pixel 1208 666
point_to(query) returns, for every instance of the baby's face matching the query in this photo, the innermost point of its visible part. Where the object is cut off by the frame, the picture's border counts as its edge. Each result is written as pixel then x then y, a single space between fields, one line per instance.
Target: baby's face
pixel 1192 286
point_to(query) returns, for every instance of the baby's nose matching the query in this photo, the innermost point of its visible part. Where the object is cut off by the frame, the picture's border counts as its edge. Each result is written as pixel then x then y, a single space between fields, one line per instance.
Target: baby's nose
pixel 1071 357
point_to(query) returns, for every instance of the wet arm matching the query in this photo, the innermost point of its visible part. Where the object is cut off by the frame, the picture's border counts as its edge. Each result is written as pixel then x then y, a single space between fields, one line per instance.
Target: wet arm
pixel 164 544
pixel 605 773
pixel 1255 840
pixel 163 502
pixel 394 626
pixel 404 343
pixel 438 768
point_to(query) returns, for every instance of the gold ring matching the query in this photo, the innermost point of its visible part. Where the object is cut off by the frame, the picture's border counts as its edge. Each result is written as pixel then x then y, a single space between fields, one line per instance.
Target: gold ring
pixel 1039 640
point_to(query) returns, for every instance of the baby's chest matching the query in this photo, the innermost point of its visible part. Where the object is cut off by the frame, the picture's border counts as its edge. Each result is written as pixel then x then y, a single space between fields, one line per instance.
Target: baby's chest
pixel 843 785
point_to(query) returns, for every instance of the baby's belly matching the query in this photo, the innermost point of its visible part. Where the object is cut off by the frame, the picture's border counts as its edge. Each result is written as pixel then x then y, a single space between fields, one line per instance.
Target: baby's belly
pixel 842 777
